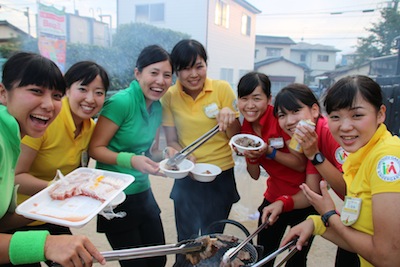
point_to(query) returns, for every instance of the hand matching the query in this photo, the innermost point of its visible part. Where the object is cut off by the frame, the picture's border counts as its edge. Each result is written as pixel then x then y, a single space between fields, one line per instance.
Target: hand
pixel 225 118
pixel 146 165
pixel 322 203
pixel 308 139
pixel 303 231
pixel 169 152
pixel 272 212
pixel 71 251
pixel 255 154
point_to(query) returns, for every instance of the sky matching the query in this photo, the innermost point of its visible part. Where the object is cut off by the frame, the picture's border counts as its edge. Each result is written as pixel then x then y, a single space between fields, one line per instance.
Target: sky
pixel 329 22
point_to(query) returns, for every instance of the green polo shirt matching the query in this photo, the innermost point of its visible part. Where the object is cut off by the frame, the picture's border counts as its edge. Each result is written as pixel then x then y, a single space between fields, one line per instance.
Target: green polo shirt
pixel 136 133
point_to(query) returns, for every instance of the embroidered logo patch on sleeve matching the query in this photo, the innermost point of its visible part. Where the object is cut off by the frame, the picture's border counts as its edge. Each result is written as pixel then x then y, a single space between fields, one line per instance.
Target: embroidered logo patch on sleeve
pixel 341 155
pixel 389 168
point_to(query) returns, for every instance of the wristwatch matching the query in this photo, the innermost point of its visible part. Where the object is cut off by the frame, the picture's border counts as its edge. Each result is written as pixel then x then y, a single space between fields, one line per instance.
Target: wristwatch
pixel 318 159
pixel 326 217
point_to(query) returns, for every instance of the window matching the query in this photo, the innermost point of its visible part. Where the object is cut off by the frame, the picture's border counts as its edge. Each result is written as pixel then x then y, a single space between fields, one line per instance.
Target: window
pixel 222 14
pixel 246 25
pixel 227 75
pixel 323 58
pixel 303 57
pixel 273 52
pixel 256 53
pixel 149 13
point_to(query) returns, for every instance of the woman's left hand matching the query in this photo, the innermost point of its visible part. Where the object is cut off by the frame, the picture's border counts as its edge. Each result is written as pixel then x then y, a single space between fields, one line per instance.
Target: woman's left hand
pixel 322 203
pixel 225 118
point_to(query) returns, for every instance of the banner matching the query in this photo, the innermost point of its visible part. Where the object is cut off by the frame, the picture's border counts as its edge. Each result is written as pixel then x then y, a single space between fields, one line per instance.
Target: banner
pixel 52 34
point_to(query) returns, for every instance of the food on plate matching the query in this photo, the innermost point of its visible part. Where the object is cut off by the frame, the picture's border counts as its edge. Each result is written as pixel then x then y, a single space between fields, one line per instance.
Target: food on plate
pixel 86 184
pixel 247 142
pixel 206 172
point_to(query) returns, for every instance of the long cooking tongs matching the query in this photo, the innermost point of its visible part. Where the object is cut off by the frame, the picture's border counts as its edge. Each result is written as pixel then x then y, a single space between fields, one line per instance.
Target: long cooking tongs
pixel 181 155
pixel 276 253
pixel 152 251
pixel 231 253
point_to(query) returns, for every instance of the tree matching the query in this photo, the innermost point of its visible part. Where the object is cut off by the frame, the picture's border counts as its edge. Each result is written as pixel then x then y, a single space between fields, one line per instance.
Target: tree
pixel 119 60
pixel 381 40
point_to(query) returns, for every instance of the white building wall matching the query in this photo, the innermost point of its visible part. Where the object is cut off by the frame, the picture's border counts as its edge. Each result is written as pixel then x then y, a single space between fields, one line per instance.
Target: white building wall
pixel 262 51
pixel 79 30
pixel 283 68
pixel 227 48
pixel 187 16
pixel 6 32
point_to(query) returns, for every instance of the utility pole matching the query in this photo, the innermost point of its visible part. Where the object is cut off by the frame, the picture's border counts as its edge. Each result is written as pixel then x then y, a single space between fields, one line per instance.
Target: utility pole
pixel 26 13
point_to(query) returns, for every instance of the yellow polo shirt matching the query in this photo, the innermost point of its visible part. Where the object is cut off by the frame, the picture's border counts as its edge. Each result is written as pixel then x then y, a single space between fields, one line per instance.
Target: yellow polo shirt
pixel 192 118
pixel 373 169
pixel 58 148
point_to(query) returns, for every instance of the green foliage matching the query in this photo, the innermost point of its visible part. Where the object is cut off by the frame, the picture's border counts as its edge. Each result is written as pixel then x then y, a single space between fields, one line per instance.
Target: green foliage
pixel 381 40
pixel 119 60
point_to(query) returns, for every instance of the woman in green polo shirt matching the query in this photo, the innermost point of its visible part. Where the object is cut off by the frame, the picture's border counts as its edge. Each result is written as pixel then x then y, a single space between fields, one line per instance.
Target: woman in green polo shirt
pixel 124 132
pixel 31 92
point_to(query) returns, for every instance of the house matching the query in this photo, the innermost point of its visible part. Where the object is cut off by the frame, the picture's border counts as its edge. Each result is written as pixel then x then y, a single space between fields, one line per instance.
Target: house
pixel 380 67
pixel 272 46
pixel 9 31
pixel 318 58
pixel 226 28
pixel 281 72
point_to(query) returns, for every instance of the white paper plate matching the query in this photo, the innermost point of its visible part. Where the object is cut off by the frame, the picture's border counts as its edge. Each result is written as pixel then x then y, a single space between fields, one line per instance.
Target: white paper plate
pixel 71 212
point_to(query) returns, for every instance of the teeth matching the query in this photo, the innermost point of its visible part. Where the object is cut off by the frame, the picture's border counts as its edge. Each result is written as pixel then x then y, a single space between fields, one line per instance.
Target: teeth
pixel 87 108
pixel 40 117
pixel 157 89
pixel 348 138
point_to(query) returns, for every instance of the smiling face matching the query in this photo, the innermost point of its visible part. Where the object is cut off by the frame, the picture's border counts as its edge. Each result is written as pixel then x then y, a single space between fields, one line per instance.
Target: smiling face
pixel 288 119
pixel 353 127
pixel 254 105
pixel 86 100
pixel 34 107
pixel 193 78
pixel 155 79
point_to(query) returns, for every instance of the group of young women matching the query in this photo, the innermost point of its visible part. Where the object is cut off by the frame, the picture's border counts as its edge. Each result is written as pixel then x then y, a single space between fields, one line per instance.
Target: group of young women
pixel 350 149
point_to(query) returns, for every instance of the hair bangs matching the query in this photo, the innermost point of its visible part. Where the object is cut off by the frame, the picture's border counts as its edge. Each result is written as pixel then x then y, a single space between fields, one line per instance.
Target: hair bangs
pixel 285 100
pixel 43 73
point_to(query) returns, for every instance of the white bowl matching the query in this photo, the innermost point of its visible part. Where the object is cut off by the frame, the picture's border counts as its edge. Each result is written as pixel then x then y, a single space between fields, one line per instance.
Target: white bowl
pixel 240 148
pixel 200 172
pixel 184 168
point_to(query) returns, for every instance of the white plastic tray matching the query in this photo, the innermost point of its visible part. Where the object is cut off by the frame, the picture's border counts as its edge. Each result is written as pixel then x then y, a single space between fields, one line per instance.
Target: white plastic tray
pixel 74 211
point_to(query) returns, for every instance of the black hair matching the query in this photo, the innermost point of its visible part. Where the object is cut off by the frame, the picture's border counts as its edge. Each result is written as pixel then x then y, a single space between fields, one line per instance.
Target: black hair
pixel 344 92
pixel 86 72
pixel 150 55
pixel 185 53
pixel 249 82
pixel 292 96
pixel 26 68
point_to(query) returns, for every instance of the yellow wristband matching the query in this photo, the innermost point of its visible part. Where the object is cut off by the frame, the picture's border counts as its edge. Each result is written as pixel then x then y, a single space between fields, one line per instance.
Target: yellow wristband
pixel 319 227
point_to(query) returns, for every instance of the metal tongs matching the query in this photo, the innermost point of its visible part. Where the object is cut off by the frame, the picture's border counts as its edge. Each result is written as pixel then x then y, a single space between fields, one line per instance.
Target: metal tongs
pixel 183 247
pixel 231 253
pixel 181 155
pixel 276 253
pixel 153 251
